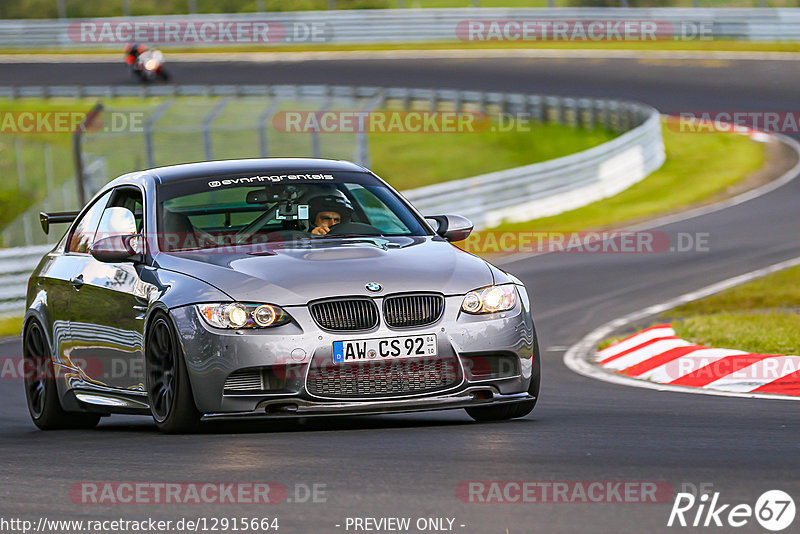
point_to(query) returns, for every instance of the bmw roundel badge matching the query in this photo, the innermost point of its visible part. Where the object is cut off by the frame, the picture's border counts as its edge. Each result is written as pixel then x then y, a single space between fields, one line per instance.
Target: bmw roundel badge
pixel 374 287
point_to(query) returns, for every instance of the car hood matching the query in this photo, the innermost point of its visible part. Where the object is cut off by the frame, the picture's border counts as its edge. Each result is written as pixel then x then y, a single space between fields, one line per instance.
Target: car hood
pixel 295 274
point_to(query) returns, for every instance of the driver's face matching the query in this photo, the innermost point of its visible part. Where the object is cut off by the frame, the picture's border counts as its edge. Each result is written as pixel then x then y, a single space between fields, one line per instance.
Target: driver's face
pixel 326 219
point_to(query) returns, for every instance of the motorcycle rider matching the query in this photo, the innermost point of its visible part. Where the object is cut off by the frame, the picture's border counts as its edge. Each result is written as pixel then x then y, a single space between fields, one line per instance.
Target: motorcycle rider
pixel 132 53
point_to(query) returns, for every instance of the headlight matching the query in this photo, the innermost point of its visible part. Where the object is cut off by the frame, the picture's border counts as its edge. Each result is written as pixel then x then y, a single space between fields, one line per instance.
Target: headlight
pixel 236 315
pixel 151 64
pixel 490 299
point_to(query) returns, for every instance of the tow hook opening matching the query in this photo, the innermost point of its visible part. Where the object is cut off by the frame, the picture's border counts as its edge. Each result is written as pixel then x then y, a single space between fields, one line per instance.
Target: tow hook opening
pixel 282 407
pixel 482 394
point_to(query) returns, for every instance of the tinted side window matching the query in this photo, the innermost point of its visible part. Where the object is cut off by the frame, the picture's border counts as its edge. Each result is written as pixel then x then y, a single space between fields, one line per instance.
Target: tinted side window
pixel 83 235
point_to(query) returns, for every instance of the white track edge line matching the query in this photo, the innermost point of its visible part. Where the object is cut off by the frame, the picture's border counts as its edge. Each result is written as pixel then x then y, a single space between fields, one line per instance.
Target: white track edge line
pixel 576 356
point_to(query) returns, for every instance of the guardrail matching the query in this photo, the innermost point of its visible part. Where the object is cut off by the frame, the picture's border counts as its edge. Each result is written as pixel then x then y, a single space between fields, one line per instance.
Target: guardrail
pixel 16 265
pixel 517 194
pixel 395 25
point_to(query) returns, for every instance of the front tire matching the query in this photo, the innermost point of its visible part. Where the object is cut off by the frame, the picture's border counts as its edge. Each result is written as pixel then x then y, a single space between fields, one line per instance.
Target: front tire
pixel 169 392
pixel 41 391
pixel 503 412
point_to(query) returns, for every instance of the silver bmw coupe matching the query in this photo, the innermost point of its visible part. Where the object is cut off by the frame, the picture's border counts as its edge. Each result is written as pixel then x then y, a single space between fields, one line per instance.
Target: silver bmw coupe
pixel 269 288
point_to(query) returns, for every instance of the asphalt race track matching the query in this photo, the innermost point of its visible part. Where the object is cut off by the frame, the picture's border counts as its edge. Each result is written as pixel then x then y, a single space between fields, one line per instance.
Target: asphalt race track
pixel 411 465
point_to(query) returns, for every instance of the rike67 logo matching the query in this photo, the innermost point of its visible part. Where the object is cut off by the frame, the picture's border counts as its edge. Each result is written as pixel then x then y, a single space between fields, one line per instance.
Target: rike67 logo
pixel 774 510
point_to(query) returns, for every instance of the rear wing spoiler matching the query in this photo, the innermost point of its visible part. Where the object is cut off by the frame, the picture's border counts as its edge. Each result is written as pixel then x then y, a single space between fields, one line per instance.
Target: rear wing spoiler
pixel 56 217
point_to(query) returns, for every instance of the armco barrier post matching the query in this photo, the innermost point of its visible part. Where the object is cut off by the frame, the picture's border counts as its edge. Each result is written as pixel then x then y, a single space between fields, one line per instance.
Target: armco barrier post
pixel 585 113
pixel 47 155
pixel 18 154
pixel 612 119
pixel 361 155
pixel 262 125
pixel 535 108
pixel 207 148
pixel 315 142
pixel 21 180
pixel 570 107
pixel 149 125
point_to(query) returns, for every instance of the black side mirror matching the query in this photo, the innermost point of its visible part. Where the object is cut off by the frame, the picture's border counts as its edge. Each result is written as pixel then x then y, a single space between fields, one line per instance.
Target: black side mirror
pixel 116 249
pixel 451 227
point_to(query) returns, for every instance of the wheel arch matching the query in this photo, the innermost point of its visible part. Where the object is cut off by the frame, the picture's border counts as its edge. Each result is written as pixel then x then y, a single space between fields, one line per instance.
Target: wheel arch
pixel 36 312
pixel 160 308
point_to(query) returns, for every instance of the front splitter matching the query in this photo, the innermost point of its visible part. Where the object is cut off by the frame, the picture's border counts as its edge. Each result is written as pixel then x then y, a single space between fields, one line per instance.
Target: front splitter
pixel 292 408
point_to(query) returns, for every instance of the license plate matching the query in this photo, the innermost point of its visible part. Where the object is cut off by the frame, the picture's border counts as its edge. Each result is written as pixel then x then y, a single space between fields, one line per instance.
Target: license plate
pixel 359 350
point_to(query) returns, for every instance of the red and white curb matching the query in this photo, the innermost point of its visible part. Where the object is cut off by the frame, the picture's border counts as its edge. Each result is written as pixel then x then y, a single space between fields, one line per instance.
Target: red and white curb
pixel 657 355
pixel 582 356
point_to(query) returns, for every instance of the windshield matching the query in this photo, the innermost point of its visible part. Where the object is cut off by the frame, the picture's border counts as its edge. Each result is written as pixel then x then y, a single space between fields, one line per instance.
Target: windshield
pixel 278 208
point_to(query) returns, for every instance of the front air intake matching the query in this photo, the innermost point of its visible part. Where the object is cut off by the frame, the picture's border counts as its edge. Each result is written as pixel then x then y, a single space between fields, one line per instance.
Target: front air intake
pixel 345 314
pixel 405 311
pixel 245 381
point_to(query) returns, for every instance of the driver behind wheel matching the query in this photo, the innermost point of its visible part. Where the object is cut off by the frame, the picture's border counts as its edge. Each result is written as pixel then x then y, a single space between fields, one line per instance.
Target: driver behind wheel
pixel 326 211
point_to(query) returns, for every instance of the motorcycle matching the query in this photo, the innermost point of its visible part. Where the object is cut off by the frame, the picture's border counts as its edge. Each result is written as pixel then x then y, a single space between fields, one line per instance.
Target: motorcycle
pixel 149 66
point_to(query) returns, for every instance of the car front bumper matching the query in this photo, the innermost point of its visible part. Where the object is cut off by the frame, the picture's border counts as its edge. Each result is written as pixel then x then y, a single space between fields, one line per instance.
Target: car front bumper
pixel 212 355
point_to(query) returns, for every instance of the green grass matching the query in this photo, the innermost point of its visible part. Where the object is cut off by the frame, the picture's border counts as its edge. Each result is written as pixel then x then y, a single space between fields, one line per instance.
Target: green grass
pixel 10 326
pixel 761 316
pixel 699 167
pixel 414 160
pixel 776 291
pixel 610 341
pixel 766 333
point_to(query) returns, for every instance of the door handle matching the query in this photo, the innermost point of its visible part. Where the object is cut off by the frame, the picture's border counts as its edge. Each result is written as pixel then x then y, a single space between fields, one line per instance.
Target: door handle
pixel 77 282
